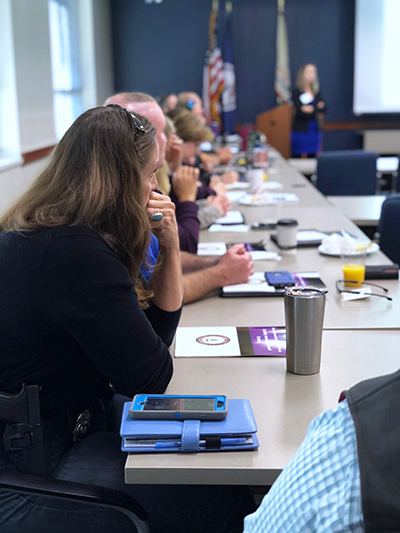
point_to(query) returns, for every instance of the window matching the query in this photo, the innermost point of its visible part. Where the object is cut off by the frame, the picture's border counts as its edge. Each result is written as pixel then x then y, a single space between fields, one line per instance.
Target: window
pixel 9 133
pixel 65 61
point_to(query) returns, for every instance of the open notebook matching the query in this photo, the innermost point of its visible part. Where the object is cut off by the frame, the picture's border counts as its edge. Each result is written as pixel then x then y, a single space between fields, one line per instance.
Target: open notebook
pixel 257 285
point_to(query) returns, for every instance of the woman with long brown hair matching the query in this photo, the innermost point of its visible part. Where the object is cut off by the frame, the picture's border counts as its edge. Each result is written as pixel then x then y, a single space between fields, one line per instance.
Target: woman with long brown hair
pixel 77 319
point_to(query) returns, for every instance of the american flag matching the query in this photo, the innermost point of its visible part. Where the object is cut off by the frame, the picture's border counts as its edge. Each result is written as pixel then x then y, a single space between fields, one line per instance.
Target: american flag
pixel 213 80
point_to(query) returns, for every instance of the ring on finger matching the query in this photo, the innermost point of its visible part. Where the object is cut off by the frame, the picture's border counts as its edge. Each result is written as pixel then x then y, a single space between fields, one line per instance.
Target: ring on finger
pixel 157 215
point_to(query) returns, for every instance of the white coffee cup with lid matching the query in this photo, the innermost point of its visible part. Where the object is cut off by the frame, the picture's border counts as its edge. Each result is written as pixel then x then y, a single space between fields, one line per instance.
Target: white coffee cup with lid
pixel 287 233
pixel 255 177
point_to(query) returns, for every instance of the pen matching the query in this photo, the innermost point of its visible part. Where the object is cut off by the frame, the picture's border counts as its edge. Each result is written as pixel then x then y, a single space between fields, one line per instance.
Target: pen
pixel 224 442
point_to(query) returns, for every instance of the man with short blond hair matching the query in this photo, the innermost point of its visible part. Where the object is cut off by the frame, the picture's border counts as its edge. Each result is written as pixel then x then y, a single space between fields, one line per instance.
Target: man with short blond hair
pixel 202 275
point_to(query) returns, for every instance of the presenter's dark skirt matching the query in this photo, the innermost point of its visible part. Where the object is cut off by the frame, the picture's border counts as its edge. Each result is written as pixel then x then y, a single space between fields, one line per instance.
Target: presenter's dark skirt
pixel 307 142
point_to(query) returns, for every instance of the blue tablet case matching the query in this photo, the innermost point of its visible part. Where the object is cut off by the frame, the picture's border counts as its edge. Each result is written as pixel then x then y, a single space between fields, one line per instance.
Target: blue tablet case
pixel 236 432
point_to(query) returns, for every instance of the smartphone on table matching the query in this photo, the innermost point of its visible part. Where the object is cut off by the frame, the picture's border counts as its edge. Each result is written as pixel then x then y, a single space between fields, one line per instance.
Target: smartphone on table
pixel 264 225
pixel 177 407
pixel 280 279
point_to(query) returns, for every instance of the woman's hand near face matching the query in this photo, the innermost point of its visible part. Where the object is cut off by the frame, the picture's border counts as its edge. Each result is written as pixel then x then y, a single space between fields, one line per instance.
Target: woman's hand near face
pixel 166 230
pixel 166 280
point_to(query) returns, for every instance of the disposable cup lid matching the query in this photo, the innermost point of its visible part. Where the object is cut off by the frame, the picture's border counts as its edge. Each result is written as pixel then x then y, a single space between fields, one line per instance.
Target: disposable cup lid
pixel 304 292
pixel 287 222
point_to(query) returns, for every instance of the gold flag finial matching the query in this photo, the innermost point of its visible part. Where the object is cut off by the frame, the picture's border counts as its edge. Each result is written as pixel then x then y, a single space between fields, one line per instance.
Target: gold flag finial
pixel 215 6
pixel 228 7
pixel 281 6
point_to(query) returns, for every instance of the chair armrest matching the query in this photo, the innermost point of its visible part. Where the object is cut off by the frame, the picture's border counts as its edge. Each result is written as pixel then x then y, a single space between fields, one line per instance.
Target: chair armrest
pixel 69 490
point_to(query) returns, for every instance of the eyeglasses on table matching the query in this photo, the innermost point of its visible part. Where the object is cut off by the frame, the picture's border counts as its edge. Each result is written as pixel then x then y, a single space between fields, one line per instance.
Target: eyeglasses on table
pixel 341 283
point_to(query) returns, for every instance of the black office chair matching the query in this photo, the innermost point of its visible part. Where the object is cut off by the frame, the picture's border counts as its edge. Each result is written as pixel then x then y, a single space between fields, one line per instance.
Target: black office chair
pixel 114 511
pixel 389 228
pixel 345 173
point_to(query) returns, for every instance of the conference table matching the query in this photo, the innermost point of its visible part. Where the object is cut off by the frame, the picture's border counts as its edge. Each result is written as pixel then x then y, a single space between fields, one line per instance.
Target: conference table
pixel 361 339
pixel 362 210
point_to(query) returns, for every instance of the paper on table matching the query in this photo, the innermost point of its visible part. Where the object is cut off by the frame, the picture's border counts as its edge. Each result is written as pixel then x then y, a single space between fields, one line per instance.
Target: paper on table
pixel 256 199
pixel 346 296
pixel 218 341
pixel 310 235
pixel 232 217
pixel 267 198
pixel 284 197
pixel 237 185
pixel 234 228
pixel 211 248
pixel 256 283
pixel 259 255
pixel 207 341
pixel 271 185
pixel 235 196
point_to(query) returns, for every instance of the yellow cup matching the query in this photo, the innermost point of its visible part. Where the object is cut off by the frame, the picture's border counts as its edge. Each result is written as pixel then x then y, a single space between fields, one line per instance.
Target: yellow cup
pixel 354 272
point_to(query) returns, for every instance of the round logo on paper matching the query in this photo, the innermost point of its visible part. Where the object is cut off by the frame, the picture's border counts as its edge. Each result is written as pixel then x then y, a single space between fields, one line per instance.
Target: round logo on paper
pixel 213 340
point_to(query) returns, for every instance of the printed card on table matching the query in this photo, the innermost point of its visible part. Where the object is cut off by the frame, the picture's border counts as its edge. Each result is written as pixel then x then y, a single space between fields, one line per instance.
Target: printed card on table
pixel 230 342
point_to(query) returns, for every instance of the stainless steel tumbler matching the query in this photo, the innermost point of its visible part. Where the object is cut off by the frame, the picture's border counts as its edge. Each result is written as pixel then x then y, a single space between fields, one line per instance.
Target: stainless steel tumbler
pixel 304 316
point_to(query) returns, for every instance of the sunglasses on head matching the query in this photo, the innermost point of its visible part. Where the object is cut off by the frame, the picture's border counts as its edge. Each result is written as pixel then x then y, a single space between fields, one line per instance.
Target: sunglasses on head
pixel 137 124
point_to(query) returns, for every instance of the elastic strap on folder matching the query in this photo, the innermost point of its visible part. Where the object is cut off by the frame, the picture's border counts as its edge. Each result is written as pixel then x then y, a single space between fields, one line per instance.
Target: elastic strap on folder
pixel 190 436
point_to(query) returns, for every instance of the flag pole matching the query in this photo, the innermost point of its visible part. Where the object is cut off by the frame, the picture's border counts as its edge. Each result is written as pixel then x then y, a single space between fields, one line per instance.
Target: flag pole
pixel 282 68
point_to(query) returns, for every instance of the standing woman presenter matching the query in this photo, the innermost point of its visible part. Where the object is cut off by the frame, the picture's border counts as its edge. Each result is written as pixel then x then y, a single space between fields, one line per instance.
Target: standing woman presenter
pixel 77 319
pixel 308 106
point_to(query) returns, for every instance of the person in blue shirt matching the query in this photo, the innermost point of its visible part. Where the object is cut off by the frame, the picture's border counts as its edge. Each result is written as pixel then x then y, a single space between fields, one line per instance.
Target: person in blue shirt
pixel 346 474
pixel 319 490
pixel 151 259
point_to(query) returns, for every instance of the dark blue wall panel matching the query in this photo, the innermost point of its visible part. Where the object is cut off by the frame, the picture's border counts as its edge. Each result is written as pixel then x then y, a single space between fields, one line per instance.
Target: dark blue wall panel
pixel 161 48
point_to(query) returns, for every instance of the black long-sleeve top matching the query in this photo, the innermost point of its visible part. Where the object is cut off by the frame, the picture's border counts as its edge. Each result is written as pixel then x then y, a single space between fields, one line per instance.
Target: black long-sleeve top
pixel 301 119
pixel 70 321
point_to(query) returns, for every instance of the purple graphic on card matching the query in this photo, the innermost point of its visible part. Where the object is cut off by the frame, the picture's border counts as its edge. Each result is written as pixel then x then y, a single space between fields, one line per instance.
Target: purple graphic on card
pixel 268 341
pixel 300 281
pixel 249 247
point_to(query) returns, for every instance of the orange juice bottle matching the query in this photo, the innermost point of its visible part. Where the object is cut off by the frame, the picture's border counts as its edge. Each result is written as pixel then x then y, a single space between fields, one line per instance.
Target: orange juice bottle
pixel 354 272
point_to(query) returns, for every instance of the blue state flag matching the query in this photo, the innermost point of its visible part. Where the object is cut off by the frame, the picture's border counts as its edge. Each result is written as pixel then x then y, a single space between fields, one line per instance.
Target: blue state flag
pixel 229 94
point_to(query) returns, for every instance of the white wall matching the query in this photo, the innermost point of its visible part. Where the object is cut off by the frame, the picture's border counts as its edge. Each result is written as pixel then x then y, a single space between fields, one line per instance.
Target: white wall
pixel 103 50
pixel 30 37
pixel 33 74
pixel 96 51
pixel 9 130
pixel 15 181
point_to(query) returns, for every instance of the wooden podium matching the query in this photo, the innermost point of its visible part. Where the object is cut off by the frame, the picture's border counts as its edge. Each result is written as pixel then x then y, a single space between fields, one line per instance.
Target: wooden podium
pixel 276 123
